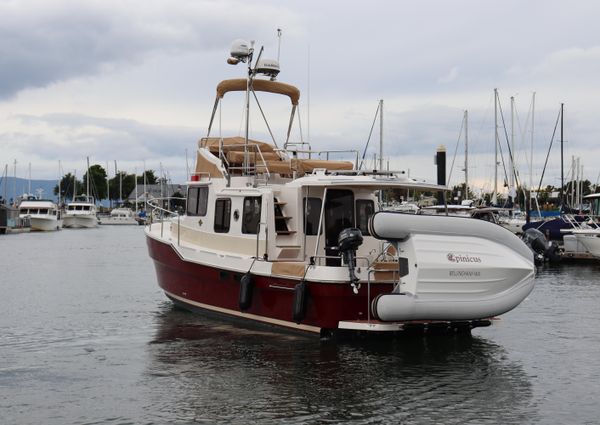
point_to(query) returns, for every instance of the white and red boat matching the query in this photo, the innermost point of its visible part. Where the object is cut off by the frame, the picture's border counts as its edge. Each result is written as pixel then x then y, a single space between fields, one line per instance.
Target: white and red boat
pixel 280 236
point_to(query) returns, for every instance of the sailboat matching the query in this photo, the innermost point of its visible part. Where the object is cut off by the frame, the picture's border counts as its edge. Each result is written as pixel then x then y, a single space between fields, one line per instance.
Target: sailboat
pixel 290 238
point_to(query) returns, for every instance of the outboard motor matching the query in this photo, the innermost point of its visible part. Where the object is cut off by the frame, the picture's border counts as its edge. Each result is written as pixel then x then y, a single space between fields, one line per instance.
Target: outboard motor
pixel 348 242
pixel 541 247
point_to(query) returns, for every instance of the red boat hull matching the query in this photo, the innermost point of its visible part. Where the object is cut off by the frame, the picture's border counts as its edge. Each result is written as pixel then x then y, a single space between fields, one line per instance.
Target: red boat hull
pixel 199 286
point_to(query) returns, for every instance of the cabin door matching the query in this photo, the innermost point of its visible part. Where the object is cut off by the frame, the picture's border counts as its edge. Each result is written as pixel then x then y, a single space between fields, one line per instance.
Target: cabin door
pixel 339 215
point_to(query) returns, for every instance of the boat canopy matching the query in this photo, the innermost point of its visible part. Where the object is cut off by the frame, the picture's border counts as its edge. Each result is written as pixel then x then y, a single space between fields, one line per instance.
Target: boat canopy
pixel 240 84
pixel 213 144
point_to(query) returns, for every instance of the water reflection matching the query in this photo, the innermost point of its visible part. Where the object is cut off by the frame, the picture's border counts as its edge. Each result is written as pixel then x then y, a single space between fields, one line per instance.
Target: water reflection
pixel 216 371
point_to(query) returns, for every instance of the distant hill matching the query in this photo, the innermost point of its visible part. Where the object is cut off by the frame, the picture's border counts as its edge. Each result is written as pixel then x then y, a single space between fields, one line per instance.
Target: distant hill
pixel 9 186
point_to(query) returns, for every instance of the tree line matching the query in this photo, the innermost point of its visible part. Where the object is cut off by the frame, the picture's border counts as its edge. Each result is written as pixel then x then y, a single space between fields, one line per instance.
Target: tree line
pixel 120 185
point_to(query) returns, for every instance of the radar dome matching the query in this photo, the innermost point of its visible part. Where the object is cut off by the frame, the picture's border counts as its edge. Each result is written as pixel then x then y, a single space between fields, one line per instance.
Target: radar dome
pixel 240 49
pixel 268 67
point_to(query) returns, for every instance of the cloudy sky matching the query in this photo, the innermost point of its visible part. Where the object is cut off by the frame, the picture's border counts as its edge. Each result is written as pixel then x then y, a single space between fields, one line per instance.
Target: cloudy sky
pixel 133 81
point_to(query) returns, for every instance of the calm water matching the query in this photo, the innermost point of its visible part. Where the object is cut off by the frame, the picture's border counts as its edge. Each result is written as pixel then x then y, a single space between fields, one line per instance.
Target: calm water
pixel 86 336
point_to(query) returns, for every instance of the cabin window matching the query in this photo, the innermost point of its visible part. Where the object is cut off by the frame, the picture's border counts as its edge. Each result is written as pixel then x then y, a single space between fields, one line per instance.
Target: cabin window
pixel 43 211
pixel 251 215
pixel 311 215
pixel 364 210
pixel 222 215
pixel 197 200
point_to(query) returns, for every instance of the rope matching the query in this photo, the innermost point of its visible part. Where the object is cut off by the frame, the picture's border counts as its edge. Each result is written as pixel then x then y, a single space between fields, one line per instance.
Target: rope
pixel 369 139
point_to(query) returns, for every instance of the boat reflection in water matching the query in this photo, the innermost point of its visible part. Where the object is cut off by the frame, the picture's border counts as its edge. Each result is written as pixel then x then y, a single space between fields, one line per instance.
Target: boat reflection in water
pixel 218 371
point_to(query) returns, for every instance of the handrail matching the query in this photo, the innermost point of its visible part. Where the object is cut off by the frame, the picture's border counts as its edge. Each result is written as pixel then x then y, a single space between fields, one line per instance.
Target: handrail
pixel 152 206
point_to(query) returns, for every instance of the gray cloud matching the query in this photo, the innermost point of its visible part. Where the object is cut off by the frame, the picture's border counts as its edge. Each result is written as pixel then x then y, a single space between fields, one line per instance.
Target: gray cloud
pixel 46 42
pixel 73 136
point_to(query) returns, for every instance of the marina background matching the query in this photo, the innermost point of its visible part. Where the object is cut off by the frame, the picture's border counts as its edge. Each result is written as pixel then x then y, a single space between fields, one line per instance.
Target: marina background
pixel 87 336
pixel 130 81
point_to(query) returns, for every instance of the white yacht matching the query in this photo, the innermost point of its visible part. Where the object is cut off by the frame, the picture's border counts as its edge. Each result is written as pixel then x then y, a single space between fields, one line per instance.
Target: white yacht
pixel 81 213
pixel 588 232
pixel 119 216
pixel 42 214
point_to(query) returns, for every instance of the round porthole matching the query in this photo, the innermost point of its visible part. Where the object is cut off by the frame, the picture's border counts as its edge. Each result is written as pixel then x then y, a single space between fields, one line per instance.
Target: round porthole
pixel 236 215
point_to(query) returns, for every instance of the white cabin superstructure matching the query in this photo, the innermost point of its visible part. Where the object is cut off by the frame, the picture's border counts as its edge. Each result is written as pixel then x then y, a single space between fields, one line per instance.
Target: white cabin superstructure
pixel 43 215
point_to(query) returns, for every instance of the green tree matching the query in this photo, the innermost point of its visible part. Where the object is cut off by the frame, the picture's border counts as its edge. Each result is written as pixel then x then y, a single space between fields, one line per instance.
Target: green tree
pixel 150 177
pixel 121 185
pixel 97 181
pixel 67 184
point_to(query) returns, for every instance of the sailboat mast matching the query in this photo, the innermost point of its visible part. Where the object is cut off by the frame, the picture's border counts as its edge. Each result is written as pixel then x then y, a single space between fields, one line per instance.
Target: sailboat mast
pixel 87 188
pixel 494 195
pixel 5 181
pixel 531 149
pixel 107 186
pixel 381 135
pixel 15 182
pixel 512 144
pixel 466 155
pixel 29 183
pixel 136 190
pixel 562 165
pixel 145 190
pixel 59 179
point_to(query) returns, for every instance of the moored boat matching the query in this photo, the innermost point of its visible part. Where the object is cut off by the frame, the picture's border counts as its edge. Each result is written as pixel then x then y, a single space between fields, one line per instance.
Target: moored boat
pixel 280 236
pixel 42 214
pixel 118 216
pixel 81 213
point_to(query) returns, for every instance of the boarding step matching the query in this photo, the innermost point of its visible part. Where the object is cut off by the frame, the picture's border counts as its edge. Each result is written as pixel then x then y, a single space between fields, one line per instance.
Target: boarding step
pixel 285 232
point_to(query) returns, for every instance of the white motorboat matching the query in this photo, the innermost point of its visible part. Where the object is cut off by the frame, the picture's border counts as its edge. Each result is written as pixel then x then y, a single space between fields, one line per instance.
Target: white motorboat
pixel 119 216
pixel 43 215
pixel 588 232
pixel 81 213
pixel 272 234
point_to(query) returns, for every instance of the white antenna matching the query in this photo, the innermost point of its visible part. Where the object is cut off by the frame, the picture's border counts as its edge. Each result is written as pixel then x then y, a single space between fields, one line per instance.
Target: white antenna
pixel 278 43
pixel 466 155
pixel 308 98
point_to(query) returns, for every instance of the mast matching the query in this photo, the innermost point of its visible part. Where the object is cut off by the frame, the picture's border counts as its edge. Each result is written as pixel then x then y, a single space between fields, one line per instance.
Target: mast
pixel 136 191
pixel 145 190
pixel 5 181
pixel 494 196
pixel 574 167
pixel 29 182
pixel 466 155
pixel 512 144
pixel 247 106
pixel 74 184
pixel 15 183
pixel 107 186
pixel 59 179
pixel 562 165
pixel 531 150
pixel 381 135
pixel 87 188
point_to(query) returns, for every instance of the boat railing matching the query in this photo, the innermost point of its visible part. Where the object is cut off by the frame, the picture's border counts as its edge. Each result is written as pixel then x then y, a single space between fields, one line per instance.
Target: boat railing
pixel 585 221
pixel 321 154
pixel 161 214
